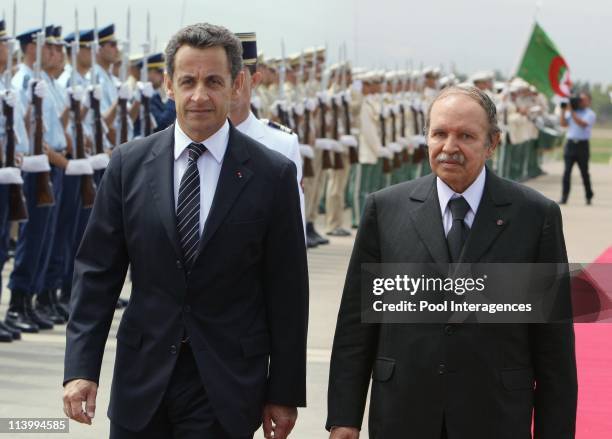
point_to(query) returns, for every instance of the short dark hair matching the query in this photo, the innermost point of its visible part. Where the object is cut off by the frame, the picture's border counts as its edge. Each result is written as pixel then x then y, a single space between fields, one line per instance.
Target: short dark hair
pixel 477 95
pixel 205 35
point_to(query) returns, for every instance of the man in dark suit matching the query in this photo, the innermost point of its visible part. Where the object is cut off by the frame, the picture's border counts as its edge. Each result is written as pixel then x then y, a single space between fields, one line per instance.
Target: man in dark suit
pixel 214 338
pixel 456 381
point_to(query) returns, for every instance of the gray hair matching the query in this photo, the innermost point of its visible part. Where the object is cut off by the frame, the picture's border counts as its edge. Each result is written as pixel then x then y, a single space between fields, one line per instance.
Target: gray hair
pixel 478 96
pixel 202 36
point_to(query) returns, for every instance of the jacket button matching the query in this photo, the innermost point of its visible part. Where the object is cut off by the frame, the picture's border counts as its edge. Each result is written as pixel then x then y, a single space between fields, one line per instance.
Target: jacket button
pixel 441 369
pixel 179 264
pixel 173 349
pixel 187 308
pixel 449 330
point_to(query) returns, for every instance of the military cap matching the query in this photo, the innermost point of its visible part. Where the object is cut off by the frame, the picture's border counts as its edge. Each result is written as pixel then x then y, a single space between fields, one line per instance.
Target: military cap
pixel 431 72
pixel 483 75
pixel 30 35
pixel 56 36
pixel 3 34
pixel 106 34
pixel 249 47
pixel 86 37
pixel 154 61
pixel 136 59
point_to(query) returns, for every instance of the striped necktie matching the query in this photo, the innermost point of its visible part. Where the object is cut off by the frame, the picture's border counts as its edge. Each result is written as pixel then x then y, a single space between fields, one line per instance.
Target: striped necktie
pixel 188 207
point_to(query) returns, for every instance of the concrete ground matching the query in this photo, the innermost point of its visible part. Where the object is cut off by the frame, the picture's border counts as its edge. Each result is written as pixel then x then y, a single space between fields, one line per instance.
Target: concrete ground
pixel 31 370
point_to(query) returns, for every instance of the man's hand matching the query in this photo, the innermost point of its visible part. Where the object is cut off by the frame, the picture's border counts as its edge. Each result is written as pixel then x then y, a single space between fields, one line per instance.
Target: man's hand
pixel 75 393
pixel 278 421
pixel 344 433
pixel 57 159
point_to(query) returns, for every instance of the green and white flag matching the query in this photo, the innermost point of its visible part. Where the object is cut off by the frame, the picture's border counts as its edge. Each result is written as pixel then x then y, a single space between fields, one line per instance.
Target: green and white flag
pixel 544 67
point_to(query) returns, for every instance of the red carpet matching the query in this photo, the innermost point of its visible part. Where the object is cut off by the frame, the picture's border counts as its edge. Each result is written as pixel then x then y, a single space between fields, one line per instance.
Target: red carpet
pixel 594 358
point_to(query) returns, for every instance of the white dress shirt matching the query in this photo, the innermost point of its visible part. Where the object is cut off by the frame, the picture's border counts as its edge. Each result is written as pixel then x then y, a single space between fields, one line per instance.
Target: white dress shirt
pixel 472 195
pixel 209 166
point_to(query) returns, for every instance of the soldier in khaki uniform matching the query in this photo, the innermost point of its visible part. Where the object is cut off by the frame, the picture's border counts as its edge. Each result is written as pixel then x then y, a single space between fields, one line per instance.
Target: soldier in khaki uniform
pixel 337 177
pixel 370 145
pixel 313 186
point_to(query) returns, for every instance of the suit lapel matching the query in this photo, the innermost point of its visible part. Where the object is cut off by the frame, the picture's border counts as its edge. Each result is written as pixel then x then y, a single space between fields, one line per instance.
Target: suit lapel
pixel 233 178
pixel 427 219
pixel 160 174
pixel 490 220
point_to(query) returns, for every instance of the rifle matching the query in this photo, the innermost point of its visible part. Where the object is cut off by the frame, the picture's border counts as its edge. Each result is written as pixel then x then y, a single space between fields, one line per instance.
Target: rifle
pixel 308 169
pixel 88 191
pixel 383 128
pixel 336 133
pixel 17 204
pixel 326 159
pixel 144 78
pixel 280 110
pixel 353 156
pixel 397 162
pixel 123 110
pixel 44 192
pixel 95 103
pixel 405 156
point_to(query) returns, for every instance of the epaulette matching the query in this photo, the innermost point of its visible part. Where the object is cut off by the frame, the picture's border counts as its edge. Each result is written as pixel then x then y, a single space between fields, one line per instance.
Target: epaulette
pixel 277 126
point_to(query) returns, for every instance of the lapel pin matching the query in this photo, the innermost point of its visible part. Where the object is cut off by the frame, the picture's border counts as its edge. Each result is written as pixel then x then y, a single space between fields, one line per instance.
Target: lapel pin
pixel 238 174
pixel 500 222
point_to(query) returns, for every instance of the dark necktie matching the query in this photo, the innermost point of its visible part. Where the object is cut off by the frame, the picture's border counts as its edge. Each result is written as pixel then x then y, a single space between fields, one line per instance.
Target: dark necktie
pixel 459 231
pixel 188 207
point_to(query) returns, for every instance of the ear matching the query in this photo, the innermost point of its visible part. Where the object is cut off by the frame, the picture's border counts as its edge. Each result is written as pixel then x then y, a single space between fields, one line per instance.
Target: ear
pixel 238 84
pixel 169 86
pixel 494 143
pixel 256 79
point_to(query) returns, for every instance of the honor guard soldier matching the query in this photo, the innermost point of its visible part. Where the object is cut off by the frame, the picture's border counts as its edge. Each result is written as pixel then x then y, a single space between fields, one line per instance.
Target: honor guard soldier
pixel 370 143
pixel 162 108
pixel 34 235
pixel 271 134
pixel 10 175
pixel 68 202
pixel 313 186
pixel 337 178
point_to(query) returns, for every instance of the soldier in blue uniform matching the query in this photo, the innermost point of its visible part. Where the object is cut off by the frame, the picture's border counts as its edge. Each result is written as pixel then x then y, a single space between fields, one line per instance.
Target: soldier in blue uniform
pixel 62 228
pixel 32 233
pixel 9 97
pixel 75 232
pixel 162 108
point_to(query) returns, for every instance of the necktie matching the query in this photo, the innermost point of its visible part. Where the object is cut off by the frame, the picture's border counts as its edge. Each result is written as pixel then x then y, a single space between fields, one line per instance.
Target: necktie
pixel 188 207
pixel 459 231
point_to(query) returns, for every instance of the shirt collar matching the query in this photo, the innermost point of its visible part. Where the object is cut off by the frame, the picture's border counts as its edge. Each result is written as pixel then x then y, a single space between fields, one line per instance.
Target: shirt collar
pixel 216 144
pixel 245 125
pixel 473 194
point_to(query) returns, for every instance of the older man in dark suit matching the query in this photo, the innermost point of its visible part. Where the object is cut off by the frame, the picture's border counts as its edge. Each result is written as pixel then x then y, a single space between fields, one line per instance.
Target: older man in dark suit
pixel 214 338
pixel 458 381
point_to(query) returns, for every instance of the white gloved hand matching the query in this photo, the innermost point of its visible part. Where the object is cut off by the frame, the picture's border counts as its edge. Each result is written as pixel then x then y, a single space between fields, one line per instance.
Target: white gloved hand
pixel 40 89
pixel 125 91
pixel 10 97
pixel 77 93
pixel 311 104
pixel 97 91
pixel 146 89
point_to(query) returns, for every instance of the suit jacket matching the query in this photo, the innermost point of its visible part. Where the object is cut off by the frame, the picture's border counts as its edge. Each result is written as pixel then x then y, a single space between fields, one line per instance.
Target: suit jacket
pixel 285 143
pixel 483 380
pixel 243 303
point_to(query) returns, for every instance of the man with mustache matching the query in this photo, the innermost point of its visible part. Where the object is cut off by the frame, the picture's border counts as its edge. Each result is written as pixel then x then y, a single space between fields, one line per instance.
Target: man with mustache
pixel 213 341
pixel 455 381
